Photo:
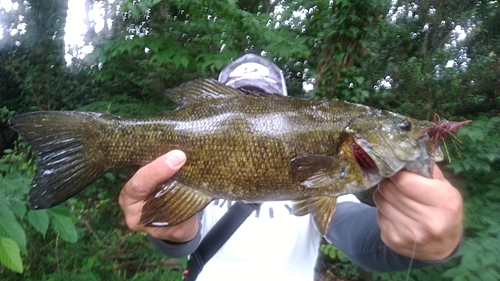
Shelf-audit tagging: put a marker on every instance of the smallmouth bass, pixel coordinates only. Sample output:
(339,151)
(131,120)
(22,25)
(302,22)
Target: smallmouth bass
(244,147)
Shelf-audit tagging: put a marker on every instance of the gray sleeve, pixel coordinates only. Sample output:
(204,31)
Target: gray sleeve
(354,230)
(177,250)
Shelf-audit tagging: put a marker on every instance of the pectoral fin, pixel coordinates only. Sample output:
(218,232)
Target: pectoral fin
(172,203)
(322,210)
(316,171)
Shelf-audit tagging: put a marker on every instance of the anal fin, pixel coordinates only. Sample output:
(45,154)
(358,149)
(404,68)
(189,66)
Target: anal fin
(172,203)
(322,209)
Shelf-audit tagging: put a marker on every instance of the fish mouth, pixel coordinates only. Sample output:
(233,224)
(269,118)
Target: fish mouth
(364,161)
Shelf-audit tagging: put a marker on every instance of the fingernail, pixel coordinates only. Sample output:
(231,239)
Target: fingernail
(175,158)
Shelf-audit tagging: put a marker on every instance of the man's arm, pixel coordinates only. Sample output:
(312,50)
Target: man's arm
(415,217)
(177,250)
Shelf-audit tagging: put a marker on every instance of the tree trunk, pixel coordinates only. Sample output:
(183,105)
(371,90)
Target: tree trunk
(343,43)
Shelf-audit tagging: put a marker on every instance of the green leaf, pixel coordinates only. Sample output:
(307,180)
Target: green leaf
(64,224)
(165,55)
(142,6)
(470,261)
(488,275)
(322,248)
(155,45)
(91,261)
(133,9)
(359,80)
(40,220)
(65,227)
(332,253)
(60,211)
(454,272)
(16,184)
(18,207)
(184,61)
(110,177)
(10,227)
(10,255)
(491,157)
(459,278)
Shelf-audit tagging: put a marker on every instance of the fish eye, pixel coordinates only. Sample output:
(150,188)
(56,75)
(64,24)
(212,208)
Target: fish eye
(405,125)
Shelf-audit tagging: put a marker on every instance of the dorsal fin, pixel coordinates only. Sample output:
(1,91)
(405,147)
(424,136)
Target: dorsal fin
(200,89)
(208,89)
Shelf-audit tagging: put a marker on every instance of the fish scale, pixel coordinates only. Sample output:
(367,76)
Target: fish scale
(245,147)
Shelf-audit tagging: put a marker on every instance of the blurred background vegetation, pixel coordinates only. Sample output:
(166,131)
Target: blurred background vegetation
(413,57)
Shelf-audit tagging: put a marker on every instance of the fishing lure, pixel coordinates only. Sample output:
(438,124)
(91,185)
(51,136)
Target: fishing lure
(443,128)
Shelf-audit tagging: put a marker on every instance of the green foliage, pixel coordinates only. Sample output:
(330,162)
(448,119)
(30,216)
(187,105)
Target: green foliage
(127,106)
(347,31)
(33,72)
(480,169)
(30,240)
(5,114)
(12,209)
(416,66)
(167,43)
(16,172)
(480,152)
(341,261)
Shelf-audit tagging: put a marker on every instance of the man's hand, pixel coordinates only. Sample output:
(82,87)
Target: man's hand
(418,216)
(134,192)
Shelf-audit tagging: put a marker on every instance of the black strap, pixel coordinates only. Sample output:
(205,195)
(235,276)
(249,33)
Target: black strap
(217,236)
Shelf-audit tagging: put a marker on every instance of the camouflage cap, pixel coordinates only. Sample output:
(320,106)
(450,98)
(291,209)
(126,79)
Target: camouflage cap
(252,72)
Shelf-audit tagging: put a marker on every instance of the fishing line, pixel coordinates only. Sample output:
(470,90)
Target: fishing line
(413,253)
(411,260)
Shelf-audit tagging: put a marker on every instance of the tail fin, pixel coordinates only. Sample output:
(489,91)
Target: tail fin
(66,165)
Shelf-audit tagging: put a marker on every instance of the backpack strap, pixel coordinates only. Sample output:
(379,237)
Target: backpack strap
(217,236)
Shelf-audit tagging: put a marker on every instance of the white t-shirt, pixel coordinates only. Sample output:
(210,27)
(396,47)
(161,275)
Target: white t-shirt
(272,244)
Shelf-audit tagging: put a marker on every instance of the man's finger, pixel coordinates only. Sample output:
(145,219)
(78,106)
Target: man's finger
(389,195)
(437,173)
(421,189)
(153,174)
